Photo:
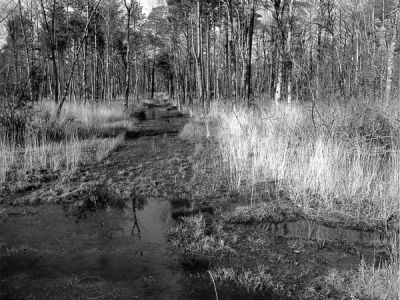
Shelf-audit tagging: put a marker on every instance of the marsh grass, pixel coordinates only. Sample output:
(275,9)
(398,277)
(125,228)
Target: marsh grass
(368,282)
(82,133)
(66,155)
(7,157)
(82,120)
(254,281)
(330,161)
(196,247)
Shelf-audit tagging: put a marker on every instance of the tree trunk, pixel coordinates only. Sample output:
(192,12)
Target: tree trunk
(207,64)
(278,88)
(390,56)
(248,89)
(152,80)
(288,55)
(28,61)
(53,57)
(199,56)
(128,50)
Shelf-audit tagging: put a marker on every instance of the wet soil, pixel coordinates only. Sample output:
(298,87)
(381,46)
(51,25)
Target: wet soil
(100,232)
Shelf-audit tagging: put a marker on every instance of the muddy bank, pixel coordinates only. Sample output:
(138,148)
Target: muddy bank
(266,246)
(286,258)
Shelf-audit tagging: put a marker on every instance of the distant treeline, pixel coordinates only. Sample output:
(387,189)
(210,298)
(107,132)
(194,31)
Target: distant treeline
(100,50)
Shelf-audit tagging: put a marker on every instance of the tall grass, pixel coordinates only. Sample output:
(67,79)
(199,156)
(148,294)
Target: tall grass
(87,120)
(330,159)
(62,143)
(337,158)
(67,154)
(7,157)
(368,282)
(87,113)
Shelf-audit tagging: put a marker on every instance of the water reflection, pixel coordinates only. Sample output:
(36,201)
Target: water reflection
(100,199)
(135,220)
(113,245)
(312,230)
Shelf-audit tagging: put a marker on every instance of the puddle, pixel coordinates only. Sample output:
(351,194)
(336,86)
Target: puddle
(111,253)
(311,230)
(125,247)
(156,121)
(157,113)
(373,247)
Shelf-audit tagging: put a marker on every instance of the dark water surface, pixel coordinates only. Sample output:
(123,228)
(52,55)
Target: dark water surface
(60,253)
(126,248)
(312,230)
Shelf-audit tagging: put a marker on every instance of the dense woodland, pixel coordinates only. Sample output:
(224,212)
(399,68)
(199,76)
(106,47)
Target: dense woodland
(286,50)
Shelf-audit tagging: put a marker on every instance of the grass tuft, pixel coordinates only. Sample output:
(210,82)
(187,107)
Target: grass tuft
(254,282)
(196,247)
(368,282)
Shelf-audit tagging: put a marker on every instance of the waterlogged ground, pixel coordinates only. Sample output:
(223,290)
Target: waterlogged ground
(110,254)
(101,232)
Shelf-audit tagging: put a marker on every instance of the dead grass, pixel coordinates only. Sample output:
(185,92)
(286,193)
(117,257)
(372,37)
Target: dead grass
(83,133)
(368,282)
(7,157)
(329,162)
(254,281)
(88,114)
(336,159)
(66,154)
(196,247)
(81,120)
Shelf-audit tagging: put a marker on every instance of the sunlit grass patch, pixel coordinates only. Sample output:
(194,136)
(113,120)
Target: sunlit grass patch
(87,113)
(329,161)
(368,282)
(194,130)
(7,157)
(82,120)
(82,133)
(66,154)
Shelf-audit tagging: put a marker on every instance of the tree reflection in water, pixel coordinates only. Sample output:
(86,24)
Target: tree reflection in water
(135,220)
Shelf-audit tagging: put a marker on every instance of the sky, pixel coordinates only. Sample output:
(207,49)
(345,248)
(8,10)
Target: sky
(147,5)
